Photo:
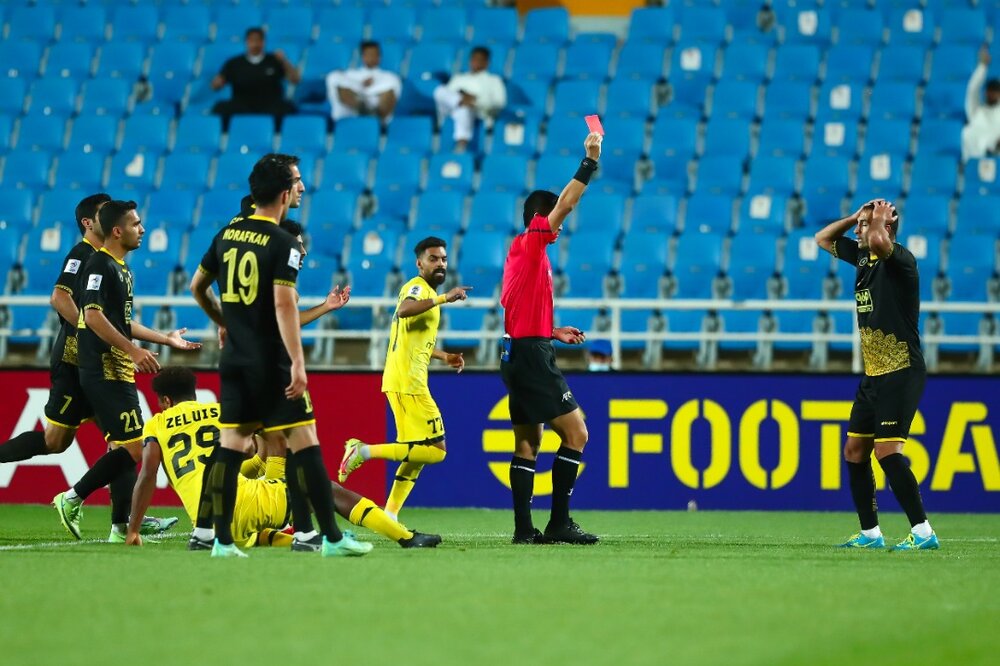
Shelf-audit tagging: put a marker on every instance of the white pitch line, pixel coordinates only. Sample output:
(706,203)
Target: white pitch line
(65,544)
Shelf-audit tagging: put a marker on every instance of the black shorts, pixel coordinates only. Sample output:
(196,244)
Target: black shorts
(254,394)
(68,405)
(884,405)
(538,390)
(116,407)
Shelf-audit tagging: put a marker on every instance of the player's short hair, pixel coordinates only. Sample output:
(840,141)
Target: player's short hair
(292,227)
(481,50)
(111,214)
(177,383)
(88,207)
(290,160)
(539,202)
(893,223)
(368,44)
(247,206)
(255,30)
(270,177)
(428,243)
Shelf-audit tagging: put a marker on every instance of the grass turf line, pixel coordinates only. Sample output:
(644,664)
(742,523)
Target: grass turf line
(662,587)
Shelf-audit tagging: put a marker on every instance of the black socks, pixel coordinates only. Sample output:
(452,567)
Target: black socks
(224,482)
(904,487)
(23,447)
(121,488)
(522,487)
(297,498)
(564,471)
(205,510)
(108,467)
(862,480)
(312,474)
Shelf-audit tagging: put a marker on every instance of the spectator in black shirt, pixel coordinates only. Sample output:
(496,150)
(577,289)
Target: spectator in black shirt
(257,80)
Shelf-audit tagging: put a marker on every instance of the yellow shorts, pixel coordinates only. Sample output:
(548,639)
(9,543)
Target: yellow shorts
(418,419)
(260,503)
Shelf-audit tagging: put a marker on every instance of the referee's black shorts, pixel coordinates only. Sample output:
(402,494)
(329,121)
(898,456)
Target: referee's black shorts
(884,405)
(538,391)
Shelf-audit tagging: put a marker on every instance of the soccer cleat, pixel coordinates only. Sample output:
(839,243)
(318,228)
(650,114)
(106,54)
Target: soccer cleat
(152,525)
(69,513)
(194,543)
(534,537)
(352,459)
(116,536)
(220,550)
(570,533)
(859,540)
(421,540)
(913,542)
(309,545)
(348,546)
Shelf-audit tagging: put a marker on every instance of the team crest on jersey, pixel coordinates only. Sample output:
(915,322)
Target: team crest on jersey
(294,259)
(415,290)
(94,282)
(72,266)
(863,261)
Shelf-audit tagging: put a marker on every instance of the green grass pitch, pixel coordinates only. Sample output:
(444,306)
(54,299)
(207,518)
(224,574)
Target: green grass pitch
(661,588)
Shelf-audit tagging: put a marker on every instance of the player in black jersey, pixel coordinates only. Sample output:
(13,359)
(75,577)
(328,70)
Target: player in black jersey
(262,369)
(108,359)
(887,297)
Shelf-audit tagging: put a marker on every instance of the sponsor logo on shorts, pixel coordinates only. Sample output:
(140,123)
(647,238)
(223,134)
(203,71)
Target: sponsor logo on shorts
(888,423)
(567,396)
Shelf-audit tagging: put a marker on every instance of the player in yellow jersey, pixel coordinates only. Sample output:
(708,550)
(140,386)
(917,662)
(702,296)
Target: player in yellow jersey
(183,435)
(419,428)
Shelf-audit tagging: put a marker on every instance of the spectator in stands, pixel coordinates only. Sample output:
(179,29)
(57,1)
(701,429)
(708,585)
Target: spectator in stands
(599,356)
(257,80)
(365,90)
(981,134)
(477,93)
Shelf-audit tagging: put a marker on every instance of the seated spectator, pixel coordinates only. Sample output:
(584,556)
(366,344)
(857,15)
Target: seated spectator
(257,80)
(364,90)
(477,93)
(981,134)
(599,356)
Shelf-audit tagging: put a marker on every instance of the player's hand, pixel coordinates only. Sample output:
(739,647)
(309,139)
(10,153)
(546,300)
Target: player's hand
(222,336)
(457,294)
(337,298)
(297,388)
(175,340)
(468,100)
(883,212)
(592,144)
(133,539)
(456,361)
(569,334)
(984,55)
(144,359)
(857,213)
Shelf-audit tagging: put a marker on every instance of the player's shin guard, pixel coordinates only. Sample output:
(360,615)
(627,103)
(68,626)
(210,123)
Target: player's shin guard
(309,461)
(402,484)
(862,480)
(297,498)
(105,470)
(366,514)
(522,487)
(225,483)
(904,487)
(121,495)
(564,471)
(25,446)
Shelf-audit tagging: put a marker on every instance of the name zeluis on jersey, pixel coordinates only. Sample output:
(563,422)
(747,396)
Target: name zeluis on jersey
(246,236)
(189,418)
(863,298)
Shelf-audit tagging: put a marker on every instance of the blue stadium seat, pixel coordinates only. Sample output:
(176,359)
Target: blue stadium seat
(720,174)
(466,320)
(851,63)
(940,137)
(925,213)
(198,134)
(170,68)
(977,214)
(708,213)
(324,57)
(27,170)
(960,323)
(725,137)
(563,136)
(911,25)
(185,171)
(37,132)
(841,101)
(926,249)
(70,60)
(480,260)
(640,61)
(944,100)
(880,175)
(20,61)
(290,24)
(588,262)
(805,25)
(934,174)
(316,278)
(515,136)
(393,23)
(791,100)
(438,213)
(746,60)
(399,169)
(835,137)
(304,135)
(698,260)
(551,171)
(893,100)
(345,171)
(394,199)
(217,207)
(16,208)
(703,24)
(332,215)
(6,124)
(121,60)
(888,135)
(58,208)
(804,266)
(451,173)
(550,25)
(187,24)
(504,173)
(576,98)
(359,135)
(797,62)
(443,24)
(643,263)
(772,175)
(250,134)
(53,97)
(135,24)
(971,262)
(495,211)
(654,213)
(535,62)
(962,25)
(410,135)
(739,321)
(342,24)
(684,321)
(981,176)
(80,171)
(692,67)
(431,58)
(93,134)
(232,171)
(651,24)
(106,97)
(794,321)
(903,64)
(780,139)
(604,211)
(762,213)
(587,61)
(494,26)
(953,62)
(133,172)
(630,135)
(159,257)
(31,24)
(860,26)
(734,99)
(674,137)
(82,24)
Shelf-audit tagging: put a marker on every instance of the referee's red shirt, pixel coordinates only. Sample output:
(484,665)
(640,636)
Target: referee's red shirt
(527,283)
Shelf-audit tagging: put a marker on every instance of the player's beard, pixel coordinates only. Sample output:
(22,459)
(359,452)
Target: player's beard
(437,278)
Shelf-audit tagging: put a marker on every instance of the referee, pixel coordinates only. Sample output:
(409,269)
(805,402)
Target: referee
(538,392)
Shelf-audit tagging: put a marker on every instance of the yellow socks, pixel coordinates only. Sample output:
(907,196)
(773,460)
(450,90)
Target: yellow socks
(423,454)
(367,514)
(402,484)
(253,468)
(274,468)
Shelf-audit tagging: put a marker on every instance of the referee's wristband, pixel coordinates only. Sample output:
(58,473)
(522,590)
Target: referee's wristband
(441,300)
(587,169)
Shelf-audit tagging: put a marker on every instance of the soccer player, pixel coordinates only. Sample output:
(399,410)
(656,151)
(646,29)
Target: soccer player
(887,295)
(108,360)
(419,428)
(538,392)
(182,437)
(262,371)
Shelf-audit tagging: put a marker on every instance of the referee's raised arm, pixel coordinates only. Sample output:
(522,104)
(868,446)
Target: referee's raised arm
(571,194)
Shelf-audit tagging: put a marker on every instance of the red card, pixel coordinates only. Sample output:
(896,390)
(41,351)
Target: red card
(594,124)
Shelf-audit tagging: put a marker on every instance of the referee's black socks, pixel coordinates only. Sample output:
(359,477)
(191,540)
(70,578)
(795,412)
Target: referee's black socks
(107,468)
(224,482)
(904,487)
(309,463)
(25,446)
(522,487)
(862,480)
(564,471)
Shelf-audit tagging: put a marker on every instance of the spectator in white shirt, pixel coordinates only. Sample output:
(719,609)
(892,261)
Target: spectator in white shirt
(477,93)
(364,90)
(981,134)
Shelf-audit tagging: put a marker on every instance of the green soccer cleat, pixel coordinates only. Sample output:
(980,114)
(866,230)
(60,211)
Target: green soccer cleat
(348,546)
(69,513)
(220,550)
(352,459)
(152,525)
(859,540)
(913,542)
(116,536)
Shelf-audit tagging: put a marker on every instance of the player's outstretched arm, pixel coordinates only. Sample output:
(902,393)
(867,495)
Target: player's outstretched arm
(571,194)
(336,299)
(411,307)
(173,339)
(456,361)
(144,359)
(142,493)
(287,313)
(569,334)
(201,289)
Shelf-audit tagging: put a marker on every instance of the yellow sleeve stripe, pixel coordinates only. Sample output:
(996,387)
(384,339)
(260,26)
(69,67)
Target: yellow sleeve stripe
(202,269)
(93,306)
(860,434)
(285,283)
(65,288)
(889,439)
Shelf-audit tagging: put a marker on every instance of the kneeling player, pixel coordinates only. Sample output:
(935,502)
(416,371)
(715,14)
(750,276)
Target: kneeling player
(183,436)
